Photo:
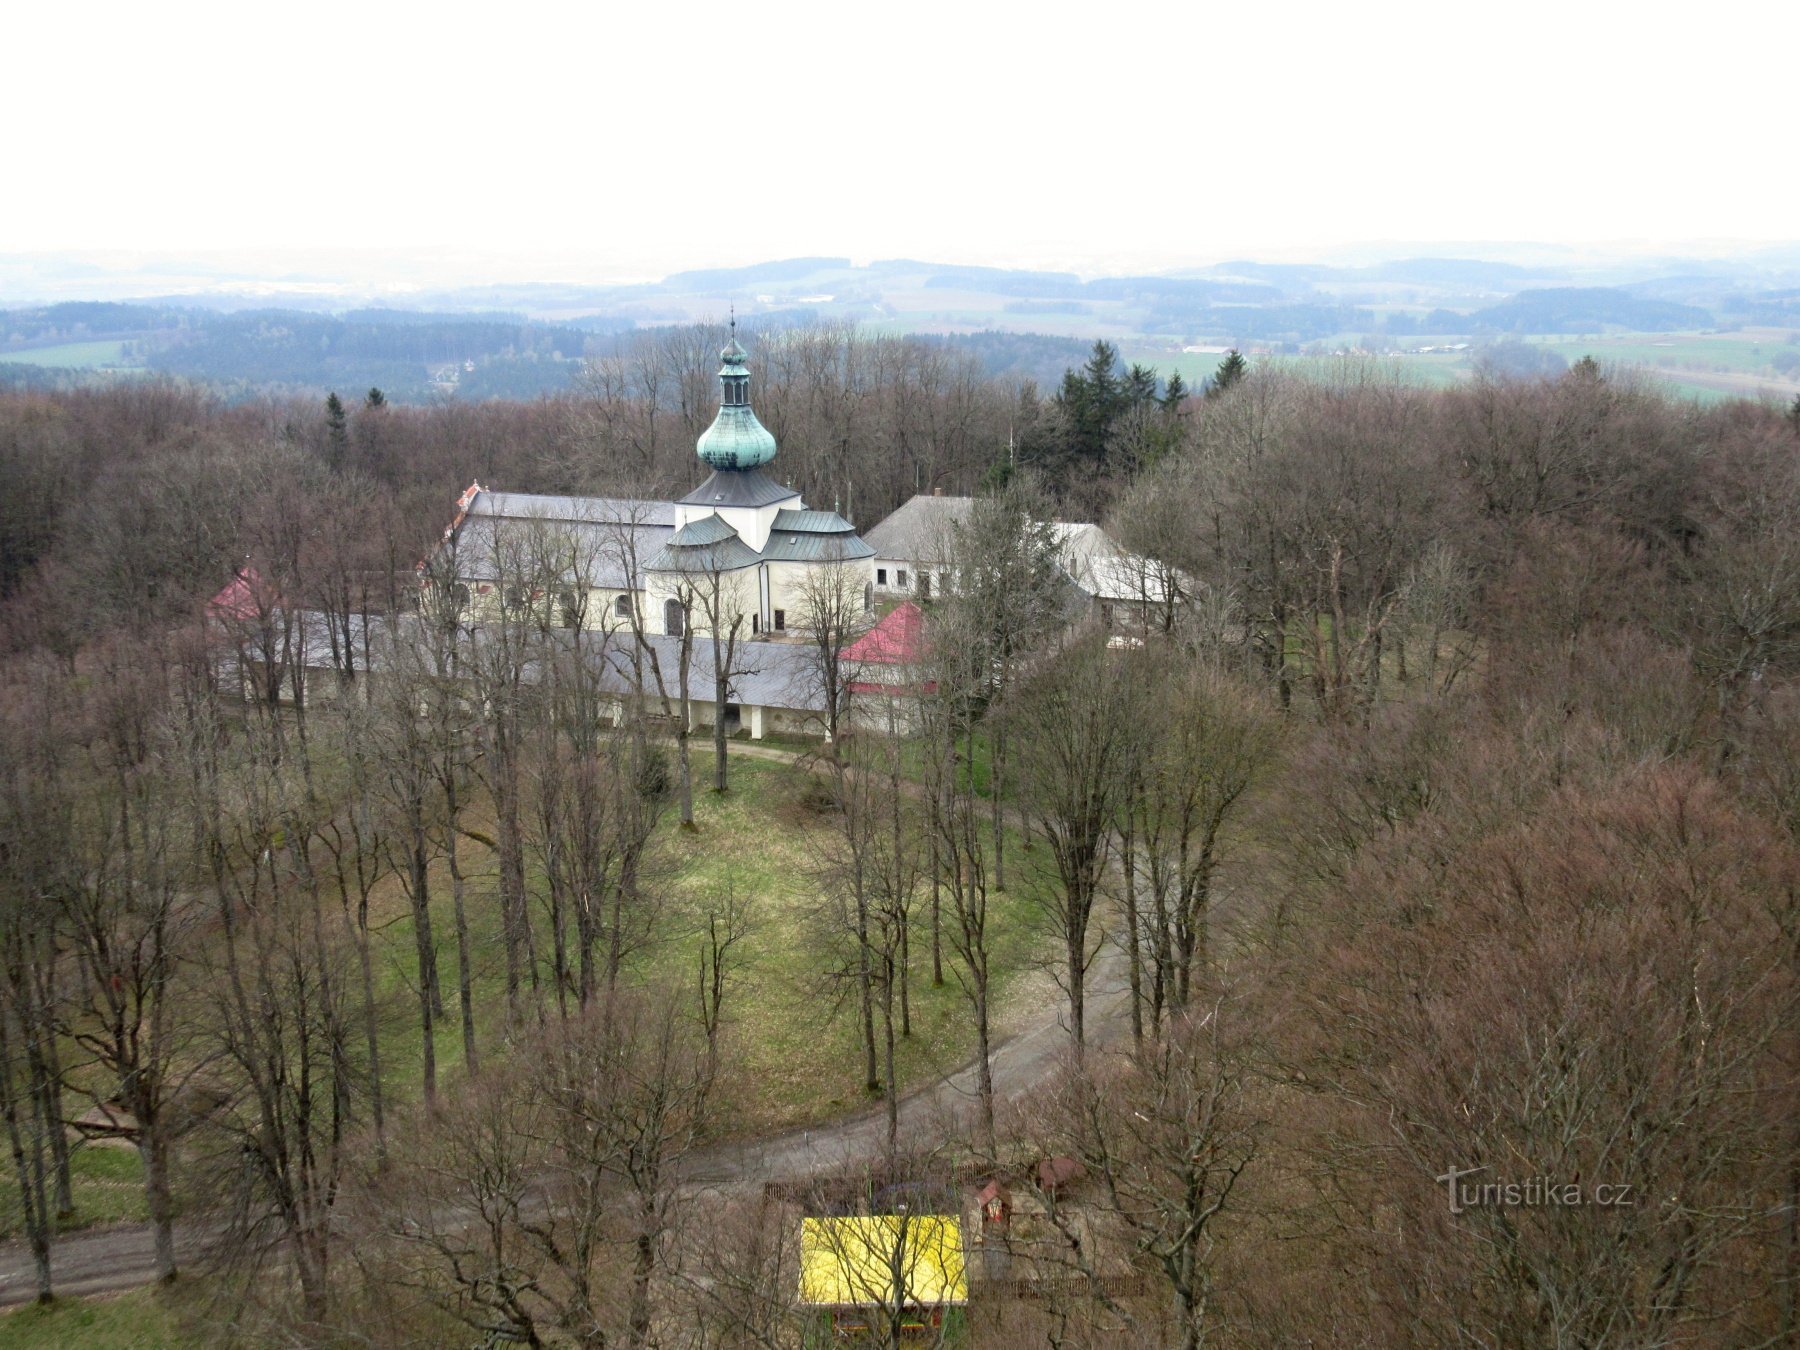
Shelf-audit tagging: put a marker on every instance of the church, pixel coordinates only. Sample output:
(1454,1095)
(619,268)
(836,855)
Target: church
(741,550)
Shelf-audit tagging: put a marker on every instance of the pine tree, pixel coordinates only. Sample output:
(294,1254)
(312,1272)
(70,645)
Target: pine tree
(337,430)
(1176,393)
(1232,369)
(375,399)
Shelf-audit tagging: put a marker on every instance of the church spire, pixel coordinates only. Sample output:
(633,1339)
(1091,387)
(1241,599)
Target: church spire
(735,440)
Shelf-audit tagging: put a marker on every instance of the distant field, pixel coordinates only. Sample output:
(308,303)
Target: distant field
(1675,350)
(71,355)
(1196,368)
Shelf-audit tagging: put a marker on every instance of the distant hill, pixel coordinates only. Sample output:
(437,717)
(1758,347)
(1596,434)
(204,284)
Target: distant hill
(1586,309)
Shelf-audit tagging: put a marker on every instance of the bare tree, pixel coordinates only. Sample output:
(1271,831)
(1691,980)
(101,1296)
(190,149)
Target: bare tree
(1072,724)
(833,609)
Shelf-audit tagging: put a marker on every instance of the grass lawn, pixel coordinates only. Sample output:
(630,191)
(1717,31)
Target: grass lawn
(139,1320)
(792,1044)
(108,1184)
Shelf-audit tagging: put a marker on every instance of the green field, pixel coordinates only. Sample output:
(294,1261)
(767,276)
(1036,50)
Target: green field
(72,356)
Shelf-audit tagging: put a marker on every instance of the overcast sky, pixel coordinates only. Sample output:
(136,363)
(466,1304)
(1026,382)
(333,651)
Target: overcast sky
(614,140)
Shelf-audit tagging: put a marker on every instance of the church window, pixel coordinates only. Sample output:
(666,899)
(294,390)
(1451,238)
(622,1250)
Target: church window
(460,594)
(868,597)
(781,621)
(622,606)
(674,620)
(572,606)
(881,576)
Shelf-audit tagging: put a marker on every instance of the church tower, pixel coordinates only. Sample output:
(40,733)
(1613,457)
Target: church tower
(736,447)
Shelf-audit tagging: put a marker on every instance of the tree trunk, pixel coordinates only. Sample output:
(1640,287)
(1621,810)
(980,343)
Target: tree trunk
(464,979)
(1129,858)
(154,1150)
(429,1002)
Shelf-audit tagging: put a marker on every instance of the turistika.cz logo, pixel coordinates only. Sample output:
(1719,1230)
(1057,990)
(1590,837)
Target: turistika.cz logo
(1532,1193)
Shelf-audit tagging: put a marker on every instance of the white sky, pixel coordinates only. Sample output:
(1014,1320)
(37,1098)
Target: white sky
(612,140)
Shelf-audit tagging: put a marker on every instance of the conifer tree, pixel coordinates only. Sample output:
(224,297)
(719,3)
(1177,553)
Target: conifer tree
(1232,369)
(337,430)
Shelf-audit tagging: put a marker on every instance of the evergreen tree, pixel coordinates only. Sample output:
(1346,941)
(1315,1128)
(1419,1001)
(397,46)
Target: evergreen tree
(337,430)
(1232,369)
(1140,386)
(1176,393)
(375,399)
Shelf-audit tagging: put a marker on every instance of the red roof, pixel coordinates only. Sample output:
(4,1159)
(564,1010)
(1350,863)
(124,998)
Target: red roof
(896,641)
(246,598)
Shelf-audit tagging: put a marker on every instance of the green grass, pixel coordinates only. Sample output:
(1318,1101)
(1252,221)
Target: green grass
(71,355)
(140,1320)
(108,1186)
(791,1047)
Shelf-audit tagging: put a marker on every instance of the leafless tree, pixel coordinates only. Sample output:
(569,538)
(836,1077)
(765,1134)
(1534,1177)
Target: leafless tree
(1072,723)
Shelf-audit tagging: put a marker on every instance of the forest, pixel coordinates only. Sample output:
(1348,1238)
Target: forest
(1392,916)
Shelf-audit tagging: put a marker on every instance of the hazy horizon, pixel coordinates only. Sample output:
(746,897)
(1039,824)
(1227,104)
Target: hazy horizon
(622,146)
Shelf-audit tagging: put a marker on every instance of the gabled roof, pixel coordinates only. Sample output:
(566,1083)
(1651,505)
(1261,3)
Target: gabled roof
(598,540)
(706,530)
(739,487)
(921,528)
(247,597)
(1104,570)
(897,640)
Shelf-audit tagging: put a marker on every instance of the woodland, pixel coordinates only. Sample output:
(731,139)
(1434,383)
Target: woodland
(1435,812)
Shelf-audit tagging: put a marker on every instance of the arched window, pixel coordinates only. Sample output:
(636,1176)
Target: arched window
(622,607)
(573,607)
(459,594)
(674,619)
(868,597)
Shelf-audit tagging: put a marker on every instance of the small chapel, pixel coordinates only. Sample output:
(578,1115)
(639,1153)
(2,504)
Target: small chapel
(742,546)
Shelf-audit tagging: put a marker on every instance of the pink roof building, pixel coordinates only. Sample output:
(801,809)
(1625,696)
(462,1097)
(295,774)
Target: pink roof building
(897,642)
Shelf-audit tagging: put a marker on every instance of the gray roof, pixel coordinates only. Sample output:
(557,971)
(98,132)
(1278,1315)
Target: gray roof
(770,674)
(706,530)
(605,510)
(739,487)
(805,547)
(596,540)
(812,522)
(921,528)
(728,554)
